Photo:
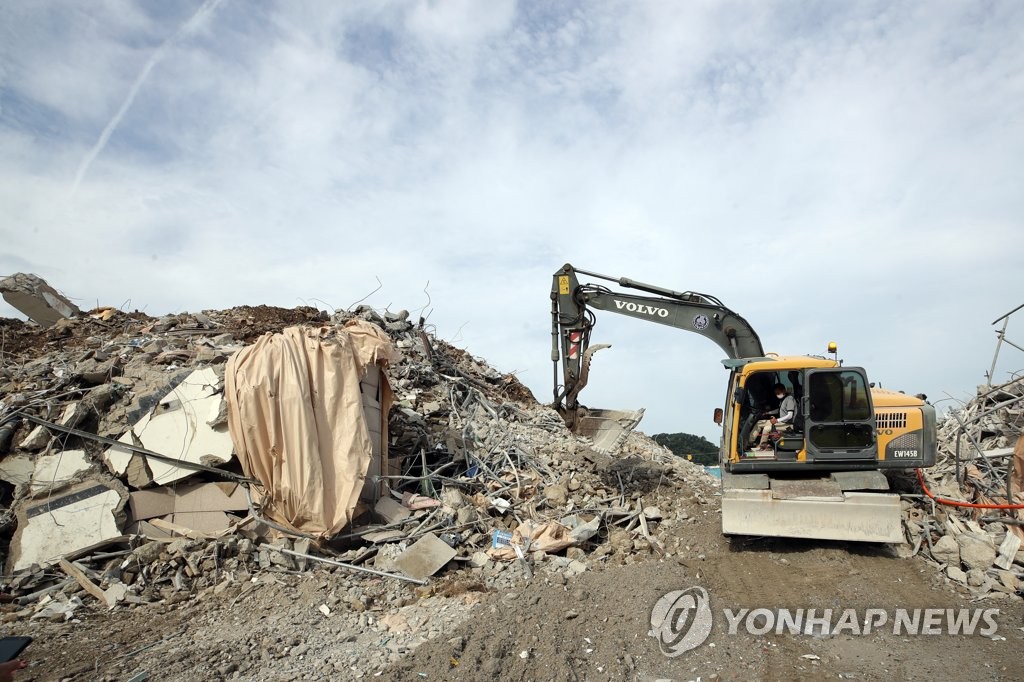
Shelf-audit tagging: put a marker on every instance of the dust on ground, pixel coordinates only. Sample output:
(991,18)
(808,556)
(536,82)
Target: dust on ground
(589,627)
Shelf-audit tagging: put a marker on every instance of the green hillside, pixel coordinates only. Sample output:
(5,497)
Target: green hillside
(687,445)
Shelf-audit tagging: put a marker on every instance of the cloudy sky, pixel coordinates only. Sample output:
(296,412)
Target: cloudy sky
(831,171)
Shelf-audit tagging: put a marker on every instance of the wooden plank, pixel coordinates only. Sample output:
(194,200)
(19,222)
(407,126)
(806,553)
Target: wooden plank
(83,580)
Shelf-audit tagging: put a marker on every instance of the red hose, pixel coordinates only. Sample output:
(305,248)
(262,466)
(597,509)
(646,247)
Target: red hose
(958,503)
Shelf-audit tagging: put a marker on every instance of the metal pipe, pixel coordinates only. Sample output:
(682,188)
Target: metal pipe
(360,569)
(974,442)
(1009,313)
(981,455)
(1002,334)
(7,430)
(995,356)
(556,354)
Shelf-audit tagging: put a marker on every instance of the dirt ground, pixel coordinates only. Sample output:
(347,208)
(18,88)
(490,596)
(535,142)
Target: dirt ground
(595,628)
(590,627)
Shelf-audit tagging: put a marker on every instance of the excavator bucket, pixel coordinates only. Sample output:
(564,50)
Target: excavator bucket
(819,509)
(606,429)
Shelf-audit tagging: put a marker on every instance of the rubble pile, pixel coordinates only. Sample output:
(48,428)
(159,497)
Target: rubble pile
(975,528)
(488,468)
(109,502)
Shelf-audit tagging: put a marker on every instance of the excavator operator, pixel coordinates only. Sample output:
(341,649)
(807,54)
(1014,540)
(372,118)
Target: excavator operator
(780,420)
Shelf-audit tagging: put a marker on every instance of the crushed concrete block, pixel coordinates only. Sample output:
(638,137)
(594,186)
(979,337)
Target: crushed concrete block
(40,302)
(115,594)
(390,510)
(556,495)
(575,568)
(976,577)
(177,427)
(976,550)
(95,372)
(37,439)
(82,516)
(425,557)
(148,553)
(956,574)
(1009,580)
(947,551)
(99,398)
(73,415)
(385,558)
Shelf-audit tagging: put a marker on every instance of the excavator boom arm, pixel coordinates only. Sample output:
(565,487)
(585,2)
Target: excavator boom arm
(572,321)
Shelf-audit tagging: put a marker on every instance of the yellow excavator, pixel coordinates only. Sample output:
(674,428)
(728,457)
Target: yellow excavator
(823,477)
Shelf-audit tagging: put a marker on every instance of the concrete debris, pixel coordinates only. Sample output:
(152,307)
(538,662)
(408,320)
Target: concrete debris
(82,516)
(471,454)
(178,426)
(203,507)
(390,511)
(980,462)
(976,550)
(17,469)
(37,439)
(425,557)
(946,550)
(59,470)
(40,302)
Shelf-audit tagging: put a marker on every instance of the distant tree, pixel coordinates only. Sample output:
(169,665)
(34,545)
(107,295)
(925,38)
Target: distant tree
(689,446)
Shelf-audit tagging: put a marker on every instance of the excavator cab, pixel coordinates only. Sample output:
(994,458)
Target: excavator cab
(833,424)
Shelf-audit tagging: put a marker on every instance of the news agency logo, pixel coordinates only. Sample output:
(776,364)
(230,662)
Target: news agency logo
(682,620)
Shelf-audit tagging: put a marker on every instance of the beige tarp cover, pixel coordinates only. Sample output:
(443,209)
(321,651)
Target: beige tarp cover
(296,419)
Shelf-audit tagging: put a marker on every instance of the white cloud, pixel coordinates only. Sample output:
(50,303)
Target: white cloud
(829,171)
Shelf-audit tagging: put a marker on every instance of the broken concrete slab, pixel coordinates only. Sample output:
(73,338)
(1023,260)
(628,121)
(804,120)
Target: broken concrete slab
(946,550)
(37,439)
(201,507)
(36,299)
(17,469)
(82,516)
(425,557)
(59,470)
(73,414)
(976,550)
(177,427)
(390,510)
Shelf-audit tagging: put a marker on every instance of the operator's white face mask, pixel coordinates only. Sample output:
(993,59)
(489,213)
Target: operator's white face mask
(780,395)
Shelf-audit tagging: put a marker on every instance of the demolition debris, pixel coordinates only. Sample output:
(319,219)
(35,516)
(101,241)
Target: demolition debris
(356,464)
(970,521)
(151,462)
